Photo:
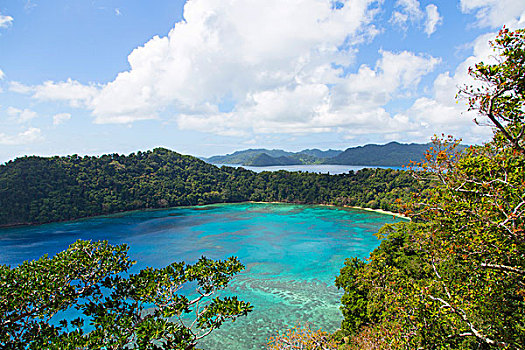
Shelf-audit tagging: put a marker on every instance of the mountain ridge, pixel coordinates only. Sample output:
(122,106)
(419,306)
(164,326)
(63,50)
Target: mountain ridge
(389,154)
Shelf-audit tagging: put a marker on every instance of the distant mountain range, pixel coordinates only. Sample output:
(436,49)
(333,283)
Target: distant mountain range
(267,157)
(392,154)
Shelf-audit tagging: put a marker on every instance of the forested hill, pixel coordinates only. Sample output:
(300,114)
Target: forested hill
(265,160)
(245,156)
(391,154)
(269,157)
(296,159)
(38,190)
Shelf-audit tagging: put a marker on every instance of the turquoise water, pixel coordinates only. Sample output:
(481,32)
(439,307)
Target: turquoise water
(292,254)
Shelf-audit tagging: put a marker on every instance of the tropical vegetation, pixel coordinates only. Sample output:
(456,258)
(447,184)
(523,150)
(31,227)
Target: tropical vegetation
(111,308)
(39,190)
(454,277)
(451,278)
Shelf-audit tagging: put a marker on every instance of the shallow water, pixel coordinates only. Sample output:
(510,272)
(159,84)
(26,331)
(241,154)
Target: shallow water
(292,254)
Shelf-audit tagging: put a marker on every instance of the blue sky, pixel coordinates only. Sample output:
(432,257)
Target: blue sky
(213,76)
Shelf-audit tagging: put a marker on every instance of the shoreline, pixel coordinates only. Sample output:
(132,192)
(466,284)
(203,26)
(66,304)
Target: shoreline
(6,226)
(399,215)
(381,211)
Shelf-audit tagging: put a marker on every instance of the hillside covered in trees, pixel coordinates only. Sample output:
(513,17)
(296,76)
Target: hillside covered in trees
(393,154)
(454,277)
(250,156)
(38,190)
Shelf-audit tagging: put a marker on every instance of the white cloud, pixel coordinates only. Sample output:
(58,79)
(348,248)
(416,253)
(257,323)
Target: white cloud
(407,11)
(410,7)
(21,115)
(399,19)
(2,74)
(71,91)
(433,19)
(280,68)
(5,21)
(226,49)
(355,103)
(442,112)
(77,94)
(20,88)
(230,48)
(495,13)
(31,135)
(61,118)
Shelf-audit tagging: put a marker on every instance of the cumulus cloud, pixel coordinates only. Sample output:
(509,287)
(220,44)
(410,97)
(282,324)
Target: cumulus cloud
(355,103)
(280,68)
(31,135)
(20,88)
(442,112)
(229,48)
(77,94)
(495,13)
(226,49)
(21,115)
(433,19)
(70,91)
(5,21)
(61,118)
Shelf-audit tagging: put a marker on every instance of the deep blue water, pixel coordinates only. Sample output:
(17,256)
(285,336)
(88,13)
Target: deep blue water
(292,254)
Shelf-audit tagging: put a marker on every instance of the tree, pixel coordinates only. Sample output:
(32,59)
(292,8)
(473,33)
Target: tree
(145,310)
(302,338)
(501,95)
(454,277)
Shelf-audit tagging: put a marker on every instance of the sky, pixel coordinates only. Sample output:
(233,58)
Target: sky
(208,77)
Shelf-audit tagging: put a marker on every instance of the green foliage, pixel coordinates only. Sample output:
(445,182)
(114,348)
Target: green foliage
(501,96)
(391,154)
(376,293)
(454,277)
(39,190)
(143,310)
(264,159)
(245,156)
(267,157)
(302,337)
(354,301)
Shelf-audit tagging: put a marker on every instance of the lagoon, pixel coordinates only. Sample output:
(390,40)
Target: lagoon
(292,254)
